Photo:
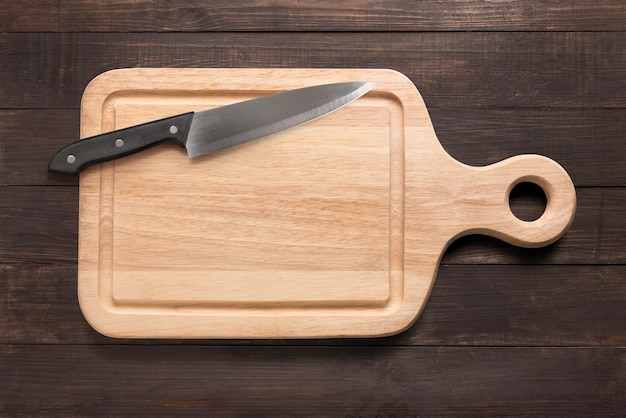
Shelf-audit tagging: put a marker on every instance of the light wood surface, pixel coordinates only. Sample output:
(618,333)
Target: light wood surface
(331,229)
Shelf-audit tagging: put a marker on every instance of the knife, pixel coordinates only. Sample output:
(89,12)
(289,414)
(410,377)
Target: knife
(214,129)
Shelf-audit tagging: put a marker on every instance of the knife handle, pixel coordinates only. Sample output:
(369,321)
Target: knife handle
(72,158)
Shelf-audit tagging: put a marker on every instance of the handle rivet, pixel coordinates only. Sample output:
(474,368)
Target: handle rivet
(119,143)
(71,159)
(173,129)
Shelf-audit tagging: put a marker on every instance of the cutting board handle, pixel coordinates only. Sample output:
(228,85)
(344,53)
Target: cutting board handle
(492,186)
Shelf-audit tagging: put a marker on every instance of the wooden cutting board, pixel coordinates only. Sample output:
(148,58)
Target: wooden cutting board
(331,229)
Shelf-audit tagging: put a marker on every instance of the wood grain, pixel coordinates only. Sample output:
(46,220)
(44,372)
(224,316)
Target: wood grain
(39,225)
(479,305)
(302,236)
(587,142)
(595,237)
(500,78)
(310,381)
(512,70)
(280,15)
(593,156)
(26,153)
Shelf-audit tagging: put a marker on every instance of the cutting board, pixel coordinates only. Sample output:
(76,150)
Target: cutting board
(331,229)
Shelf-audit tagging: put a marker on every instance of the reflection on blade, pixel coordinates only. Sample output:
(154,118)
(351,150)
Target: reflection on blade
(235,124)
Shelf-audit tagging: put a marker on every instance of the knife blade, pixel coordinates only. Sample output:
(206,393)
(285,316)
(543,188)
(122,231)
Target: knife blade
(214,129)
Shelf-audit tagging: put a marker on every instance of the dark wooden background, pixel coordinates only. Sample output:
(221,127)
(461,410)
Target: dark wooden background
(506,330)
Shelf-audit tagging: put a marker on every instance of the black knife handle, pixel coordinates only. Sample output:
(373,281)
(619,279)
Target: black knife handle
(96,149)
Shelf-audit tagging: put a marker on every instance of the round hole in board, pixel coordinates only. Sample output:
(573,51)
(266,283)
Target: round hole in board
(528,201)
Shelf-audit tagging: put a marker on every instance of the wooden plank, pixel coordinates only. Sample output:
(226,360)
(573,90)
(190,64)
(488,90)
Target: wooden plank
(310,381)
(40,306)
(587,142)
(489,305)
(29,138)
(451,70)
(595,237)
(507,305)
(566,85)
(277,15)
(39,225)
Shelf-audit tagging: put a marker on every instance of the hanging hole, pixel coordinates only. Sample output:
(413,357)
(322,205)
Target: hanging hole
(528,201)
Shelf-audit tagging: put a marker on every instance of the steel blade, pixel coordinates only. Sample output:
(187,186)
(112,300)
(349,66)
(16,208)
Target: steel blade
(227,126)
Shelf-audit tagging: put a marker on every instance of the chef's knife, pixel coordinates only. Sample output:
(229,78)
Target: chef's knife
(214,129)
